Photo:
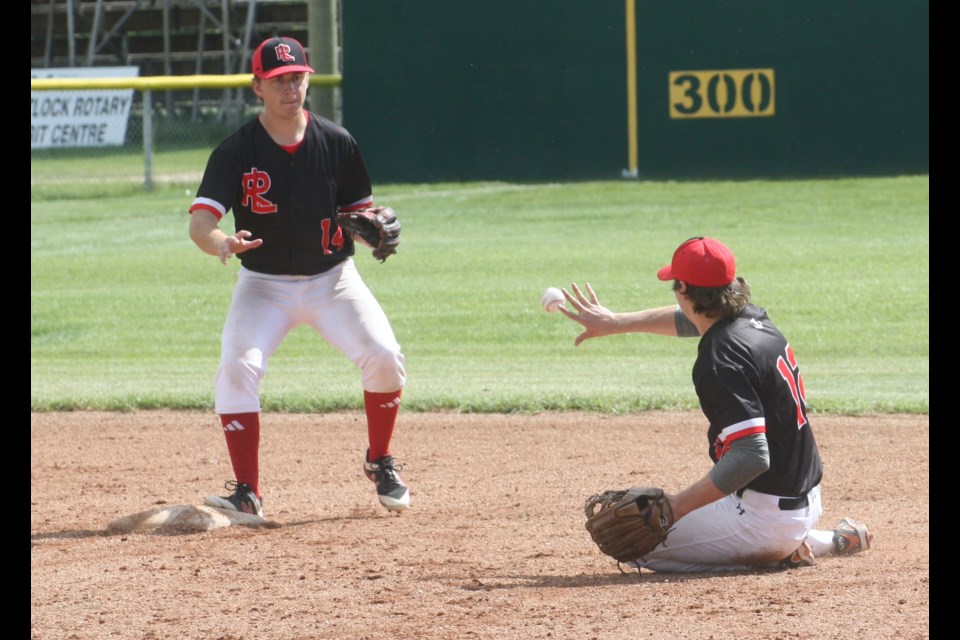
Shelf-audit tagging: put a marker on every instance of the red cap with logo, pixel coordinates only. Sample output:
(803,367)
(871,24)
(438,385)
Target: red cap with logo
(702,262)
(279,55)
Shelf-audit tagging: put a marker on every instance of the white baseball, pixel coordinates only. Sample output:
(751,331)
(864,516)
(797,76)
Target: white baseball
(551,299)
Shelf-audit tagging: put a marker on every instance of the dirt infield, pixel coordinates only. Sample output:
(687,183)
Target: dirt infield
(492,548)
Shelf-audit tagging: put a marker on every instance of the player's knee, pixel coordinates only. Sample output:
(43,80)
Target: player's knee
(383,369)
(242,370)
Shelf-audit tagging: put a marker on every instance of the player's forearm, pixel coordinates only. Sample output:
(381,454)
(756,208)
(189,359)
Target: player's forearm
(205,233)
(210,243)
(659,321)
(698,494)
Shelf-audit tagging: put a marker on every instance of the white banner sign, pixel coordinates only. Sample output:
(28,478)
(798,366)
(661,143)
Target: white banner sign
(88,118)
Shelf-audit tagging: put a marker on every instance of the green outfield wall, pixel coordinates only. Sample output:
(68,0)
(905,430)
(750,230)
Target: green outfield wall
(438,90)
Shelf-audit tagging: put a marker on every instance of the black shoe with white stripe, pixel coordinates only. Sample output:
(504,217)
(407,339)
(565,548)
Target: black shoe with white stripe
(391,490)
(243,499)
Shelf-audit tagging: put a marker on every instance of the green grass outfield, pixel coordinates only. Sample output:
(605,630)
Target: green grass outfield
(126,312)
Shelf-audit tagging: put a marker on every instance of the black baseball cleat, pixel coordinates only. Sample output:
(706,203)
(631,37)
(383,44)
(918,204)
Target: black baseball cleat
(851,537)
(393,493)
(243,499)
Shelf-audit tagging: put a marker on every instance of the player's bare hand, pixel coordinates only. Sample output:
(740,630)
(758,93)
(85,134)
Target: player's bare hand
(237,243)
(596,319)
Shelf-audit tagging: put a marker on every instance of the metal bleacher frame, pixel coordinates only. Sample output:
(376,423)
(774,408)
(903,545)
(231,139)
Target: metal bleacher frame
(230,56)
(234,50)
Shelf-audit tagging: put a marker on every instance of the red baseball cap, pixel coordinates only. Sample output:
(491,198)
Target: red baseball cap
(702,262)
(279,55)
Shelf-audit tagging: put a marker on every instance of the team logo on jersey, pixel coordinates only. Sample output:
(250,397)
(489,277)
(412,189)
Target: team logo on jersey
(283,53)
(255,184)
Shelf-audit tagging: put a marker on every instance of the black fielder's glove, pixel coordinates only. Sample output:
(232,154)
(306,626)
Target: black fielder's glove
(376,227)
(628,524)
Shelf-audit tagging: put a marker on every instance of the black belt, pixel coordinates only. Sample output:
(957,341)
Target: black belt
(785,504)
(789,504)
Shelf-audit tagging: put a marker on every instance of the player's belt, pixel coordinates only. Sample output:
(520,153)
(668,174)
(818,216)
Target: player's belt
(789,504)
(785,504)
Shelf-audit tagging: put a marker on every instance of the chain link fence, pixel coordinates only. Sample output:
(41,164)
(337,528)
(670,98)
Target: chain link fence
(168,138)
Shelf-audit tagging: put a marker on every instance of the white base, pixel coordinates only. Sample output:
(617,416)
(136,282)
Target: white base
(188,518)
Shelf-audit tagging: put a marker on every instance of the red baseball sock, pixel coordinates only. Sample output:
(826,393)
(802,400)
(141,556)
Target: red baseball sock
(382,409)
(242,431)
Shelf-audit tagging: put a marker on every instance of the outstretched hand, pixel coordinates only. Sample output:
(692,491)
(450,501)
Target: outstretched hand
(596,319)
(237,243)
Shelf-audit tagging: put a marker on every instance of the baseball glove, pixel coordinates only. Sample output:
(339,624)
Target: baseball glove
(627,525)
(376,227)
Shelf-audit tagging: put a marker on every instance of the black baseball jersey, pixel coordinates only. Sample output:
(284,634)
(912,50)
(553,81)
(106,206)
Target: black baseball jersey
(288,199)
(748,382)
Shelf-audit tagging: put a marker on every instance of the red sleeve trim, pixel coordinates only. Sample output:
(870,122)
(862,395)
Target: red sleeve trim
(205,207)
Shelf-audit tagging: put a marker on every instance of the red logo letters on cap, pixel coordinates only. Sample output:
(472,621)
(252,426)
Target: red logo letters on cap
(283,52)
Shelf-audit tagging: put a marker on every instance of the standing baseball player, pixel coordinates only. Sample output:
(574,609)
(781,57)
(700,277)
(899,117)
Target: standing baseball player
(285,174)
(759,502)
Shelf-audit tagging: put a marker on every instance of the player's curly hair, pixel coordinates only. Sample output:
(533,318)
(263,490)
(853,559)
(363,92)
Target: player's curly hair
(727,301)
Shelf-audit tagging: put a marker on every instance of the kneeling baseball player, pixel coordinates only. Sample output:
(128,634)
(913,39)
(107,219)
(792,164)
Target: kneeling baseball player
(758,505)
